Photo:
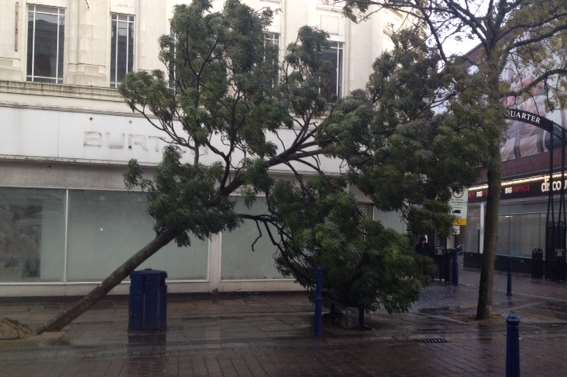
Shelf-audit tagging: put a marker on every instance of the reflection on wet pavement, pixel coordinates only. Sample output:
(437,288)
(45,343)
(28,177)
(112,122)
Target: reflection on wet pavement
(270,335)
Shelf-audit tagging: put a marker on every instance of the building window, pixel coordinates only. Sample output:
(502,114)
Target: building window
(46,34)
(239,261)
(122,42)
(32,234)
(332,82)
(272,39)
(104,227)
(272,51)
(172,70)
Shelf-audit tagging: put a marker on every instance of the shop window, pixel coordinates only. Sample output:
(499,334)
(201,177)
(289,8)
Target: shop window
(331,85)
(530,234)
(504,238)
(519,234)
(122,48)
(106,228)
(517,225)
(238,259)
(472,231)
(46,36)
(32,235)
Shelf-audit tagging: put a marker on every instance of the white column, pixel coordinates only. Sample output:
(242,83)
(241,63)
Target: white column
(214,261)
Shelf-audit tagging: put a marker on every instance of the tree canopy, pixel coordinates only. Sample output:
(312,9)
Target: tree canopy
(521,52)
(232,124)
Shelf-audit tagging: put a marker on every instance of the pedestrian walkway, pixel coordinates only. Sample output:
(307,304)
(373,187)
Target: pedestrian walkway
(522,284)
(270,335)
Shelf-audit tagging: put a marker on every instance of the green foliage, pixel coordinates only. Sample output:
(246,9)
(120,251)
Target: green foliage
(365,265)
(221,101)
(185,198)
(520,54)
(306,73)
(401,152)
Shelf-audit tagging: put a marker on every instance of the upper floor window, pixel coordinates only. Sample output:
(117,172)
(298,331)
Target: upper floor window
(46,33)
(171,56)
(272,51)
(122,48)
(272,39)
(332,87)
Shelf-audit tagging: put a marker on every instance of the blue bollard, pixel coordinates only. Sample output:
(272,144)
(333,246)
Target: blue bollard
(513,346)
(509,280)
(455,267)
(318,325)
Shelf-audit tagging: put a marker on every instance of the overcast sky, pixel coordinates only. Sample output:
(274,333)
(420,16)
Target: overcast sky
(453,47)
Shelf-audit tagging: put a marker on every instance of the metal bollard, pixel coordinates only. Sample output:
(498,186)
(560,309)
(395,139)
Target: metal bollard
(318,325)
(509,279)
(512,346)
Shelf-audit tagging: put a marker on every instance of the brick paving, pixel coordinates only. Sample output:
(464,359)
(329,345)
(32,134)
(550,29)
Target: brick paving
(270,335)
(461,356)
(521,284)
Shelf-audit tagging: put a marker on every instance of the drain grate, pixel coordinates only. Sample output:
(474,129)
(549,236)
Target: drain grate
(434,340)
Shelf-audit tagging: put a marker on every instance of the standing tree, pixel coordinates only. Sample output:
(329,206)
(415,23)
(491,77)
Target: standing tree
(229,120)
(524,40)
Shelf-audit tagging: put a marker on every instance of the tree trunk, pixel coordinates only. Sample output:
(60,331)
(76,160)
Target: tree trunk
(490,234)
(63,319)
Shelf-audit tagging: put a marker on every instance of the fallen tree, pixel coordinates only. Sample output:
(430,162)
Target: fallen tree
(229,121)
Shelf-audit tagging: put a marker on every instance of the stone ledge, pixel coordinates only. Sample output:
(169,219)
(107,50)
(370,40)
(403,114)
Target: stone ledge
(69,91)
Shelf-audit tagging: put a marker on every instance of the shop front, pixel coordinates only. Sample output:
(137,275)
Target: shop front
(67,220)
(521,221)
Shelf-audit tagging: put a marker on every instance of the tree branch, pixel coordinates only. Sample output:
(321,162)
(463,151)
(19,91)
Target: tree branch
(535,82)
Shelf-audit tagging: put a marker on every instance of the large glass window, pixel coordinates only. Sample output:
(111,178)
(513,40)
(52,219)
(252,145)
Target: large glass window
(32,234)
(238,259)
(519,234)
(332,83)
(46,35)
(504,238)
(106,228)
(521,228)
(122,48)
(472,230)
(531,234)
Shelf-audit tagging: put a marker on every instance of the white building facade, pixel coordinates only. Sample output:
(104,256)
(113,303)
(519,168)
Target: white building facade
(66,219)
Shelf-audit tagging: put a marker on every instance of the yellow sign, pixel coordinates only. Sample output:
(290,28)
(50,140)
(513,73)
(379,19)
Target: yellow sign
(460,222)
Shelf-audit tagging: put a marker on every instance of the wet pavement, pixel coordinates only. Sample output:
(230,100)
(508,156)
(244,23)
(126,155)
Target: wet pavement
(270,335)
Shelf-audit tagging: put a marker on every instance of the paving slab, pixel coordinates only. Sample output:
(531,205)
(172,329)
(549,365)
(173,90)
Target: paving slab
(271,335)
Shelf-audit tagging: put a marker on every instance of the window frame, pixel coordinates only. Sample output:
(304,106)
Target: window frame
(272,38)
(339,48)
(171,68)
(59,55)
(130,20)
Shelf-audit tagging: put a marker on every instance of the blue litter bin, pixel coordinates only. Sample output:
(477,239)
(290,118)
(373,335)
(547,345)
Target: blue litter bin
(148,301)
